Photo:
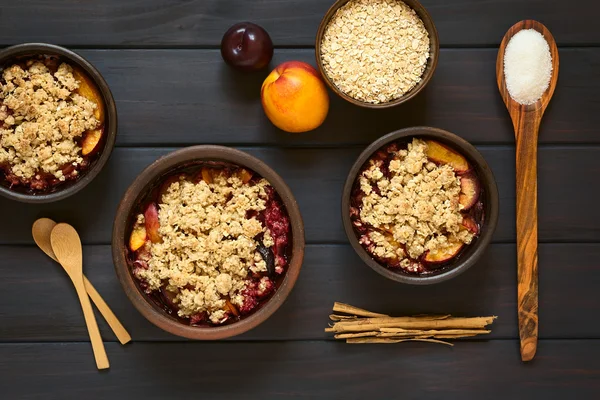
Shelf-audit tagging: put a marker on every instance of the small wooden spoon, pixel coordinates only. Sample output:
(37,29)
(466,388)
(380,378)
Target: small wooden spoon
(41,235)
(67,248)
(526,122)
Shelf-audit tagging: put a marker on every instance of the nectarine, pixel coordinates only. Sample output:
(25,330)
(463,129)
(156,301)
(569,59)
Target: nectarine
(88,89)
(245,175)
(294,97)
(469,223)
(137,238)
(439,153)
(91,141)
(152,223)
(469,190)
(443,254)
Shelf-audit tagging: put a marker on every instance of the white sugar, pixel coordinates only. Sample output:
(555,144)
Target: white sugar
(527,66)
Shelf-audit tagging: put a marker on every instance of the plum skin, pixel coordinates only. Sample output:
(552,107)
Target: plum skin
(247,47)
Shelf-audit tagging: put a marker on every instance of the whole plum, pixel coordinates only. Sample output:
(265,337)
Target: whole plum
(247,47)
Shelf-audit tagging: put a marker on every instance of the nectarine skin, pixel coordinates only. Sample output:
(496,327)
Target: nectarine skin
(294,97)
(152,223)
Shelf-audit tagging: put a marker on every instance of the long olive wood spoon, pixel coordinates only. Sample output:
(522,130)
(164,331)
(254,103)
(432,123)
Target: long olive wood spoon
(67,248)
(41,235)
(526,121)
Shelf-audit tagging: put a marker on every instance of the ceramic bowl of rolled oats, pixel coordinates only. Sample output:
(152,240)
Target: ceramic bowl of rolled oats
(420,205)
(208,242)
(377,53)
(58,123)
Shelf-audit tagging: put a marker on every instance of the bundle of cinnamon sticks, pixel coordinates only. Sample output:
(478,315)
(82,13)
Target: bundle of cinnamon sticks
(356,325)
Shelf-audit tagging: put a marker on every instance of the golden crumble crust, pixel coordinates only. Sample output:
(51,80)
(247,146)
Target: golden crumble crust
(208,249)
(42,118)
(414,208)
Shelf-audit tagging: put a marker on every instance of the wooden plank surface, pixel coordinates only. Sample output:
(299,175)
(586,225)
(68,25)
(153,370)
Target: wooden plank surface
(330,273)
(316,177)
(170,97)
(290,22)
(161,59)
(307,370)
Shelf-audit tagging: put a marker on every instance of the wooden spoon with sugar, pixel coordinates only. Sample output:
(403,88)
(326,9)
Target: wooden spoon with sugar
(526,120)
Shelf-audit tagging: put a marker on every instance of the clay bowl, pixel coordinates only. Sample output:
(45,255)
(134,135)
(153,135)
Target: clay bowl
(9,56)
(427,74)
(148,180)
(471,252)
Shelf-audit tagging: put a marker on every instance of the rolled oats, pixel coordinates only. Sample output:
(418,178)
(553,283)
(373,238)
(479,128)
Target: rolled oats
(375,50)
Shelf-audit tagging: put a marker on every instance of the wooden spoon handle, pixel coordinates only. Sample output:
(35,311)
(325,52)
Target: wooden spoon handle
(527,236)
(109,316)
(114,323)
(92,326)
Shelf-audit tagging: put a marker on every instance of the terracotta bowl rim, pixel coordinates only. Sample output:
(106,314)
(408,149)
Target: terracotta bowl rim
(491,204)
(434,50)
(69,189)
(138,189)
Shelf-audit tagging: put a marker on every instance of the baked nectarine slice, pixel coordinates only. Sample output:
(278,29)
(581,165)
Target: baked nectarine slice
(441,154)
(91,141)
(469,191)
(207,175)
(152,223)
(245,175)
(443,254)
(469,223)
(89,90)
(231,308)
(137,238)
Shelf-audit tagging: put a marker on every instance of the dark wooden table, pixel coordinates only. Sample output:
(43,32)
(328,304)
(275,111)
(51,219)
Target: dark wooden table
(161,59)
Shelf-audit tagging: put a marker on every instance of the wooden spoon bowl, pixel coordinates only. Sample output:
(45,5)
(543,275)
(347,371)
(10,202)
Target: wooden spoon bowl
(526,122)
(518,111)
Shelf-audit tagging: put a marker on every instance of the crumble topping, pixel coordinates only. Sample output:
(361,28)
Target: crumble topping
(209,246)
(42,117)
(413,208)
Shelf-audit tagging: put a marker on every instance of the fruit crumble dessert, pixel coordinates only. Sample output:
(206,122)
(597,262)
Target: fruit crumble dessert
(52,122)
(416,205)
(211,244)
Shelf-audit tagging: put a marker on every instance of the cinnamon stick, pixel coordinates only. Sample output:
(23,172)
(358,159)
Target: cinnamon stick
(354,335)
(370,324)
(355,311)
(451,333)
(444,332)
(362,326)
(336,317)
(389,340)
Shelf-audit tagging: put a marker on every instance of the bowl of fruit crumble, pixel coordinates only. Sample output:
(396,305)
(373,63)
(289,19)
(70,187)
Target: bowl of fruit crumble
(208,242)
(420,205)
(59,122)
